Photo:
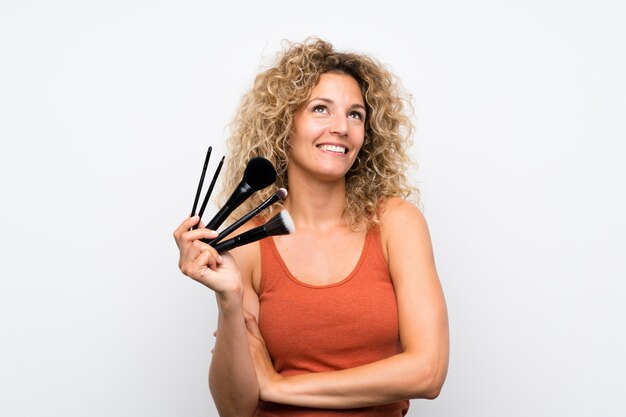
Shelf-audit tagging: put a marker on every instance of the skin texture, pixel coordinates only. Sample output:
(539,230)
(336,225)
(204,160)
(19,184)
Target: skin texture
(323,248)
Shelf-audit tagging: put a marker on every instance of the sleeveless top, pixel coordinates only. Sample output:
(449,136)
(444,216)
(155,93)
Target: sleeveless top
(309,328)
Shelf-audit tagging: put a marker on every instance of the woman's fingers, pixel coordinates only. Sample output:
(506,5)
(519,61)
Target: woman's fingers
(190,245)
(185,226)
(200,261)
(266,375)
(197,269)
(191,248)
(252,325)
(183,232)
(208,258)
(197,234)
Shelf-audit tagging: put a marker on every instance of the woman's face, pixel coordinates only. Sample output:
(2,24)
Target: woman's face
(328,129)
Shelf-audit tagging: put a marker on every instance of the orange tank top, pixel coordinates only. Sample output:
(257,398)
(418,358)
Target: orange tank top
(310,328)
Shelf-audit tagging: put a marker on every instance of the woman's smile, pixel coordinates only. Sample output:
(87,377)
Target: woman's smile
(336,149)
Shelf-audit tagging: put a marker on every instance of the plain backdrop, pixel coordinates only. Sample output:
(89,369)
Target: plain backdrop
(106,110)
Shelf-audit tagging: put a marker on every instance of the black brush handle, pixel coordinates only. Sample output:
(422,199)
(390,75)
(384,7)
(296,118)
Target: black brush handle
(241,193)
(211,186)
(250,236)
(204,167)
(244,219)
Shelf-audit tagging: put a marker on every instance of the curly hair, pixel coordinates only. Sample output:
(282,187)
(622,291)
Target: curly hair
(264,121)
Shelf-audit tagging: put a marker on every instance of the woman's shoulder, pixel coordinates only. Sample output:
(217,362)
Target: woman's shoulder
(396,211)
(400,220)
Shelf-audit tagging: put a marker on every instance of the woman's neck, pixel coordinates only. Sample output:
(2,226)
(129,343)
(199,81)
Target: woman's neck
(316,205)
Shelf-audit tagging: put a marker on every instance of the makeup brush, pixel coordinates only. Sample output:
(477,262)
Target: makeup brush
(280,224)
(259,173)
(208,193)
(206,163)
(279,195)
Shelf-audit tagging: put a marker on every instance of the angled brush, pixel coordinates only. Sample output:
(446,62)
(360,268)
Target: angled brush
(280,224)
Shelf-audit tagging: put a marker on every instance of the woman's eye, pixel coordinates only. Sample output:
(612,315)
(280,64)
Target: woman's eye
(319,109)
(355,115)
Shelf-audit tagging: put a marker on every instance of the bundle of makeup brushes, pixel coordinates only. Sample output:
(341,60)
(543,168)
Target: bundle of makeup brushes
(259,174)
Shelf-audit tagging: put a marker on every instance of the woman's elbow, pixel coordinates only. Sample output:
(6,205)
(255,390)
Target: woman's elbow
(429,382)
(432,392)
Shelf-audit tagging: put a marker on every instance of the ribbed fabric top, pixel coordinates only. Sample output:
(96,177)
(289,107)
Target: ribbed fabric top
(310,328)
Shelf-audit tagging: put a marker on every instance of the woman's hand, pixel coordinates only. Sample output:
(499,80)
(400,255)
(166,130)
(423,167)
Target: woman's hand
(267,377)
(200,261)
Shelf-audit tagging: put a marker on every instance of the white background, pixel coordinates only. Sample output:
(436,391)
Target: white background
(106,109)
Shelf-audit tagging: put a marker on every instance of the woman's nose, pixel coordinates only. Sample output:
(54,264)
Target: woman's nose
(339,125)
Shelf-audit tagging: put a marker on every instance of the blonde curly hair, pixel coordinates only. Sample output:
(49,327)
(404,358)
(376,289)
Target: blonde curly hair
(264,122)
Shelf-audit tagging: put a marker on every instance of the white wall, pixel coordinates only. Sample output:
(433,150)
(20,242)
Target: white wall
(106,109)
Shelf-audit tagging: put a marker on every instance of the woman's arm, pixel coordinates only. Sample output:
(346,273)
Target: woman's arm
(232,377)
(420,370)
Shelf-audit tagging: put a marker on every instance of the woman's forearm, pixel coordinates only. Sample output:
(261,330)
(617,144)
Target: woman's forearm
(232,378)
(399,377)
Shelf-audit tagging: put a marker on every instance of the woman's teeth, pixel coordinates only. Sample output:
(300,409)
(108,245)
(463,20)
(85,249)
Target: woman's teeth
(333,148)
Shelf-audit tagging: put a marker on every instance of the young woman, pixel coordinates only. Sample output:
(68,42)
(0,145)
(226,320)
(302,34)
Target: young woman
(345,316)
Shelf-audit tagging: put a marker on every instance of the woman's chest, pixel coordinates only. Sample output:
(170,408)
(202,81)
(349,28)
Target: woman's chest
(316,261)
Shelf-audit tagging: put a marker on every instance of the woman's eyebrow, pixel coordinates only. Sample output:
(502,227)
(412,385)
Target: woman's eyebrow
(328,100)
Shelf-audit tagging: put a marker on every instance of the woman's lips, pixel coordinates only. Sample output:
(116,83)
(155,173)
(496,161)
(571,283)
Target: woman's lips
(333,148)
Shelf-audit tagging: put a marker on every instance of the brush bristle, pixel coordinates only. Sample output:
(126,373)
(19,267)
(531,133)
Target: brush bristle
(281,194)
(259,173)
(280,224)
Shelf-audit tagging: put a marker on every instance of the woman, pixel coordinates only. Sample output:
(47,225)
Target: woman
(345,316)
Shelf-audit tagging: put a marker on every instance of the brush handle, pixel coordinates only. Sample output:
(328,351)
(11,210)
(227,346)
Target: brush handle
(241,193)
(204,167)
(250,236)
(208,193)
(244,219)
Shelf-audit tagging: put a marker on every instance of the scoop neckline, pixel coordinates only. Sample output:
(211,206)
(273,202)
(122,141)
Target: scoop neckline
(342,281)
